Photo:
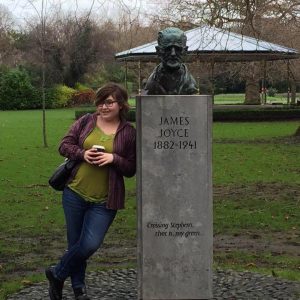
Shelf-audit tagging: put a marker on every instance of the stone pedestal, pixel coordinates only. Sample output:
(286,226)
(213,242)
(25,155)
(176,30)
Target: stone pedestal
(174,195)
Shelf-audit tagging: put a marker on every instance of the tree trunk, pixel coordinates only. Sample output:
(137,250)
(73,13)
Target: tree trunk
(43,39)
(44,105)
(252,86)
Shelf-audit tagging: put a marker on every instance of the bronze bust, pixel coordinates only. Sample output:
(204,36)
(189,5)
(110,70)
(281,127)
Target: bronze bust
(171,76)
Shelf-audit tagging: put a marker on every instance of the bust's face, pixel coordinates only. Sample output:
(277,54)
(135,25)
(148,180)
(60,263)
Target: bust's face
(171,56)
(171,52)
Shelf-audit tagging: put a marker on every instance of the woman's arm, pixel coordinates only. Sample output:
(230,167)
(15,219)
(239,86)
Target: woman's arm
(126,164)
(69,146)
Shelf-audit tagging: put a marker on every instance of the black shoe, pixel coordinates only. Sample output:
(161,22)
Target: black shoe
(55,285)
(80,294)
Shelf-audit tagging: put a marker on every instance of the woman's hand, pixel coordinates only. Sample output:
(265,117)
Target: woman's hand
(90,155)
(104,159)
(93,157)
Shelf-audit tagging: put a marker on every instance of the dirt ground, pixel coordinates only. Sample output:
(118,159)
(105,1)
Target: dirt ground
(278,244)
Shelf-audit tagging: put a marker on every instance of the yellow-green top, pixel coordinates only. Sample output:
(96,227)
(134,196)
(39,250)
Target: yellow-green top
(91,181)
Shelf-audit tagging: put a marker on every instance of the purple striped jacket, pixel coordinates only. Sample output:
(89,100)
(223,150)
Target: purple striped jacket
(124,152)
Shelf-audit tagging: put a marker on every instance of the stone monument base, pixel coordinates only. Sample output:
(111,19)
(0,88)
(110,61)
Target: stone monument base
(174,192)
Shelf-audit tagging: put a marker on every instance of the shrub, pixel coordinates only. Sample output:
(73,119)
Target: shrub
(86,97)
(62,96)
(269,114)
(16,91)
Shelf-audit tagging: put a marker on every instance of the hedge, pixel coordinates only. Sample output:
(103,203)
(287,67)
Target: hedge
(241,115)
(245,115)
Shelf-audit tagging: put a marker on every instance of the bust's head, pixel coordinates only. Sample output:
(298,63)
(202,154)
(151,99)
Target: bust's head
(171,47)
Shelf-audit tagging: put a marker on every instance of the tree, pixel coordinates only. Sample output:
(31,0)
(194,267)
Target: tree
(6,37)
(248,17)
(41,30)
(41,14)
(89,44)
(76,45)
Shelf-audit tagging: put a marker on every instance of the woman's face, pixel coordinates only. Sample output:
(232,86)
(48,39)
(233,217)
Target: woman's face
(109,109)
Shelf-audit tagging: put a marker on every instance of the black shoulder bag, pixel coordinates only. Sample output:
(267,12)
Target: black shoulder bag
(59,178)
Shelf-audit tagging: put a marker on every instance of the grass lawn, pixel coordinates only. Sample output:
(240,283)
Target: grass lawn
(240,98)
(256,200)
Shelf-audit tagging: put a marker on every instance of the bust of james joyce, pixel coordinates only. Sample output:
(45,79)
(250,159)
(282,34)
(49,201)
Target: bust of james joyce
(171,76)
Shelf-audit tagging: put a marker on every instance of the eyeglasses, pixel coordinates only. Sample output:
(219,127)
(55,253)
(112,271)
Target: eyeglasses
(107,102)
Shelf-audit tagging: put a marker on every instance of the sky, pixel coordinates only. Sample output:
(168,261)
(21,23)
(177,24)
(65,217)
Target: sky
(22,9)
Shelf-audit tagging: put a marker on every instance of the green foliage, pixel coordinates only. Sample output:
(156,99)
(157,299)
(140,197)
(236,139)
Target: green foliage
(62,96)
(81,87)
(16,91)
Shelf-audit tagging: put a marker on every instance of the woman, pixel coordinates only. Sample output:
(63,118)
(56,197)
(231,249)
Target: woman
(95,189)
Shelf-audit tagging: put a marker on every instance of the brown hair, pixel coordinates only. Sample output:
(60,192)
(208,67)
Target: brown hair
(119,94)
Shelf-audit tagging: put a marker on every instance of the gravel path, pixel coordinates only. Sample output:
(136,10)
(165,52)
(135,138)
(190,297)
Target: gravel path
(121,285)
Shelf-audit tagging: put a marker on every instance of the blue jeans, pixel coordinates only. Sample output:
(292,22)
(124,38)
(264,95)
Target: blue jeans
(87,224)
